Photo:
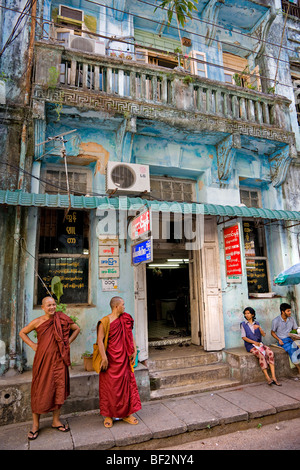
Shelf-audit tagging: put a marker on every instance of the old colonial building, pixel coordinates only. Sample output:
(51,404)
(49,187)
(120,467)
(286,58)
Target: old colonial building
(108,111)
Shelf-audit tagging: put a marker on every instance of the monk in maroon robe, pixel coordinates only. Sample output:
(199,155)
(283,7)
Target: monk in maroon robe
(50,374)
(118,392)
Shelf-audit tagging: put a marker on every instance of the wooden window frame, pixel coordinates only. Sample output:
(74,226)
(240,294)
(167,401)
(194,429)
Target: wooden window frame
(257,258)
(251,190)
(194,65)
(67,256)
(71,169)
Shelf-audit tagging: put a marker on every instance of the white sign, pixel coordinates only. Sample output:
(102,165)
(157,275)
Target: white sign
(109,285)
(108,240)
(109,272)
(108,250)
(108,261)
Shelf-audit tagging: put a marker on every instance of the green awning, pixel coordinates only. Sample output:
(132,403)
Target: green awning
(20,198)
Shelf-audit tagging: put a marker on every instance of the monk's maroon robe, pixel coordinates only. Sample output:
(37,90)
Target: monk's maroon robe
(118,392)
(50,374)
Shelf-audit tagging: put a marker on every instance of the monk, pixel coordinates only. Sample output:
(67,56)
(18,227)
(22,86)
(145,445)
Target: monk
(118,392)
(50,374)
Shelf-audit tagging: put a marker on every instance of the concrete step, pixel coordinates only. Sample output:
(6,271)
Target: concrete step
(188,375)
(190,389)
(182,360)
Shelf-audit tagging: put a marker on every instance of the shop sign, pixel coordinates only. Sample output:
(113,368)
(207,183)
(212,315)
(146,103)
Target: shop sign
(141,225)
(109,285)
(142,252)
(233,260)
(109,272)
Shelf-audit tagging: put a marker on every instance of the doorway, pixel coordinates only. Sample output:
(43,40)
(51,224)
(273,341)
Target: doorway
(201,280)
(168,299)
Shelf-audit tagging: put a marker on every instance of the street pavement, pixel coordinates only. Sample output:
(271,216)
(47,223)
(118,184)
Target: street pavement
(163,423)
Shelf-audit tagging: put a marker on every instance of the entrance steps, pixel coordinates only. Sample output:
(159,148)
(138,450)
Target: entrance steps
(177,371)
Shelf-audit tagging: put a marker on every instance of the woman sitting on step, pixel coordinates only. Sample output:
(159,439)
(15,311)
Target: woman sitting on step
(251,334)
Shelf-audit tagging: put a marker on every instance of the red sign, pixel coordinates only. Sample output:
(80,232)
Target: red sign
(141,225)
(233,253)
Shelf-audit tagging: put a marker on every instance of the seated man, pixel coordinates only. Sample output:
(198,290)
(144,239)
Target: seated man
(281,327)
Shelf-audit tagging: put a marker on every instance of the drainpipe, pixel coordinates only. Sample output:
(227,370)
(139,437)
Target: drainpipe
(13,359)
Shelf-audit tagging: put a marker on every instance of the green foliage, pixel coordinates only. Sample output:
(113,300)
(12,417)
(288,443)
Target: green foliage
(188,79)
(61,308)
(87,354)
(53,77)
(181,8)
(237,79)
(57,288)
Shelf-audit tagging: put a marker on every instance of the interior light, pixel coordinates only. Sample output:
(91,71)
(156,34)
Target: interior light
(163,265)
(178,260)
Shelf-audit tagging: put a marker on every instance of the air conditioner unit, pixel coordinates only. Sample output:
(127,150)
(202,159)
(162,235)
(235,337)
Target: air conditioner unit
(127,178)
(88,45)
(71,13)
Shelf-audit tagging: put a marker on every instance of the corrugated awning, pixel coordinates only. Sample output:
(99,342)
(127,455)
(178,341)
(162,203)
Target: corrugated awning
(20,198)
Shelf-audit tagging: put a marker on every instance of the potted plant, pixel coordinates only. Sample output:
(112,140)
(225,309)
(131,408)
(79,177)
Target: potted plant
(88,361)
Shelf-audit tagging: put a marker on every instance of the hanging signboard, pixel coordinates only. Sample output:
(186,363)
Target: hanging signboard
(141,225)
(233,258)
(142,252)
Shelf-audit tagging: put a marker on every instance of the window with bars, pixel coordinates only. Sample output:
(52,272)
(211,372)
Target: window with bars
(167,189)
(256,257)
(64,252)
(54,181)
(250,197)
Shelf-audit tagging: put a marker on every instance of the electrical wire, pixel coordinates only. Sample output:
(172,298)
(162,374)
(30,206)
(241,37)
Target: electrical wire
(15,33)
(168,52)
(218,25)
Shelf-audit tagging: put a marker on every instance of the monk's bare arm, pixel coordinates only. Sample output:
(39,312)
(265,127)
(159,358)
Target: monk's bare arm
(76,331)
(104,362)
(26,330)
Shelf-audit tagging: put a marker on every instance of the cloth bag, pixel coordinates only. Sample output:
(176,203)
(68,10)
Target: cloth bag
(96,358)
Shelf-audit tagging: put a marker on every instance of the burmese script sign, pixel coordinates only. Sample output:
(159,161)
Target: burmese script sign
(141,225)
(73,273)
(233,253)
(142,252)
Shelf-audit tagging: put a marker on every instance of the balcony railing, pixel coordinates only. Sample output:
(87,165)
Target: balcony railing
(291,8)
(156,85)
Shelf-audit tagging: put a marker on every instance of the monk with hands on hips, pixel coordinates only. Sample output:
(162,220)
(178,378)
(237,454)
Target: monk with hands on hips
(50,374)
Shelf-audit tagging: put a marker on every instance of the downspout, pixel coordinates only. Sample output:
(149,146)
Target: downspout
(13,359)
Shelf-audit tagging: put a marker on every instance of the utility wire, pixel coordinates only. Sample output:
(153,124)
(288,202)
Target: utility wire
(175,27)
(220,26)
(17,29)
(160,50)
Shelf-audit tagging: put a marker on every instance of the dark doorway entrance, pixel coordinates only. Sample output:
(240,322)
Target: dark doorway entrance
(168,300)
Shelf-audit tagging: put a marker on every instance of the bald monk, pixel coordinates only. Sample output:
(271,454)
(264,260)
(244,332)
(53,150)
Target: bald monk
(50,374)
(118,392)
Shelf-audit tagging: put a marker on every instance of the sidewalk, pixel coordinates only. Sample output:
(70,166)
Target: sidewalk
(182,420)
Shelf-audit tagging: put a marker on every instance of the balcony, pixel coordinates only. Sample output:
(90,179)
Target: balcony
(123,86)
(291,8)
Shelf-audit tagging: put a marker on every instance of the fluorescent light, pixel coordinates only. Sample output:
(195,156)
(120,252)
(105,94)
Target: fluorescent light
(178,260)
(163,265)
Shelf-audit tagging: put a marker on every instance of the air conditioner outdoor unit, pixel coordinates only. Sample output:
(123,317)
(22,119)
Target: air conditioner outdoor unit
(88,45)
(127,178)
